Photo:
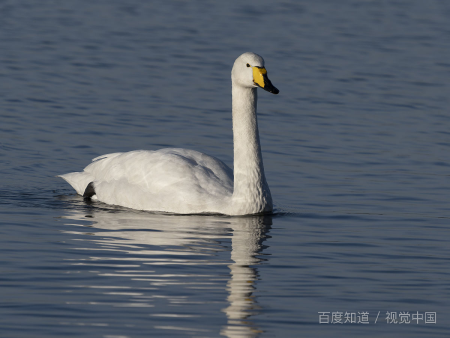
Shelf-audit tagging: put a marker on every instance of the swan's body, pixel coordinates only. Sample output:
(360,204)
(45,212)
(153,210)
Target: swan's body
(186,181)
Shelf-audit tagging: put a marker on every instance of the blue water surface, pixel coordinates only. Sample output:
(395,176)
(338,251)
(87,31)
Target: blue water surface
(356,152)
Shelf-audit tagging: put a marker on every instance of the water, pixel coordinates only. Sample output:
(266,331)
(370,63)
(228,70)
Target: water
(355,149)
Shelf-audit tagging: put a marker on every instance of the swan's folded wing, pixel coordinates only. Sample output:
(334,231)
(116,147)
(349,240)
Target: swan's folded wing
(165,180)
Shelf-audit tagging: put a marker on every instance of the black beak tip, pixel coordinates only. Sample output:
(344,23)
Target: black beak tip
(268,86)
(271,89)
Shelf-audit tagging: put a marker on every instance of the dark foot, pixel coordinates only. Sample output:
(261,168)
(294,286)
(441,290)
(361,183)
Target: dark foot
(89,192)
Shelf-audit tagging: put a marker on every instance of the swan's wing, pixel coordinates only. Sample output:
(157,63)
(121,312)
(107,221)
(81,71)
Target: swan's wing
(156,180)
(161,168)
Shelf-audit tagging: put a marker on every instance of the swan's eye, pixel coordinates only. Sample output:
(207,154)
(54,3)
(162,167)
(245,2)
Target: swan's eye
(248,65)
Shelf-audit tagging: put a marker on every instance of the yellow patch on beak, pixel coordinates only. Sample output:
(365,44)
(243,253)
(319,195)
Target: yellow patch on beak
(258,76)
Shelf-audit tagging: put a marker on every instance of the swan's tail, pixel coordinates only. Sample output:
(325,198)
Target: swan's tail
(79,181)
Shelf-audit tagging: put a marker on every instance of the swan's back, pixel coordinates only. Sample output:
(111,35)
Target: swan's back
(164,180)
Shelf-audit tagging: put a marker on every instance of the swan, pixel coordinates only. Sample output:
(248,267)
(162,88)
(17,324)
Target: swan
(183,181)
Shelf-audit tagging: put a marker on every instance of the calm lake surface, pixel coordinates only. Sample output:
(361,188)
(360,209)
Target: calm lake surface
(356,152)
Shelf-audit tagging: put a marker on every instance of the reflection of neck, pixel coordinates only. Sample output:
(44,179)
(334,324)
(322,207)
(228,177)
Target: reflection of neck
(246,243)
(251,192)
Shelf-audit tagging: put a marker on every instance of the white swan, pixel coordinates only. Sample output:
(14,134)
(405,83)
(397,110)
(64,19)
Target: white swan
(185,181)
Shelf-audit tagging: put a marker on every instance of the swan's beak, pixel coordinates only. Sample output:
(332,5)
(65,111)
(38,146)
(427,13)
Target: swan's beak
(261,80)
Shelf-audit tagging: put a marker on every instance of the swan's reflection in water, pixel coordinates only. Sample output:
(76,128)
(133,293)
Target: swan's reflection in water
(248,236)
(161,241)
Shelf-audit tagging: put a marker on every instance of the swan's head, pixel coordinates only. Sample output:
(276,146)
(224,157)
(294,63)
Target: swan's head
(248,71)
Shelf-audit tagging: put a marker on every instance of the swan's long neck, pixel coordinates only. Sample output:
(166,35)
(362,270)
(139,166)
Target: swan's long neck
(251,191)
